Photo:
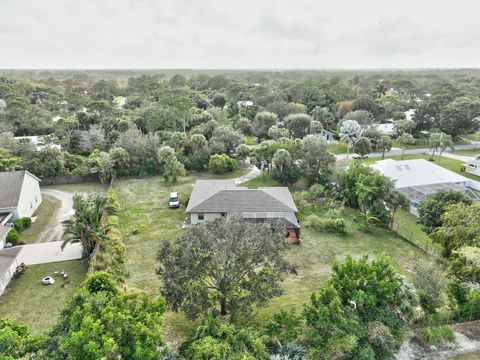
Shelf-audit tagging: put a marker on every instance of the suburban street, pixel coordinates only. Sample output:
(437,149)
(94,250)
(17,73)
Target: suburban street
(398,151)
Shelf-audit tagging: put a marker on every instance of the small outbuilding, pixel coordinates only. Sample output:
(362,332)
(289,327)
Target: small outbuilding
(473,167)
(19,194)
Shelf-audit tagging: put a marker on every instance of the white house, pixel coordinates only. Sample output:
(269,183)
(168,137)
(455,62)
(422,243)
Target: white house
(8,265)
(387,129)
(19,194)
(418,178)
(38,141)
(3,235)
(245,103)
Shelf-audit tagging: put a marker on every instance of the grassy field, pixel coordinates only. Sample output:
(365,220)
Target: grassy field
(406,225)
(146,221)
(30,302)
(44,213)
(79,188)
(470,152)
(467,356)
(338,148)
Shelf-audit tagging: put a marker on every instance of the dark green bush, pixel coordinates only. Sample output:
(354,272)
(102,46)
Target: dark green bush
(22,223)
(325,224)
(221,164)
(12,237)
(435,335)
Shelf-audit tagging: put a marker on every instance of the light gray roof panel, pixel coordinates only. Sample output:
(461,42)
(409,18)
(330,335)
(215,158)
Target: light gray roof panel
(10,188)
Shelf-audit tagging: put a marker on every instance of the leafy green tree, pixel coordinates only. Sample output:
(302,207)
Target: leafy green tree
(226,266)
(362,117)
(363,146)
(323,115)
(440,141)
(460,227)
(263,121)
(276,132)
(8,162)
(404,126)
(103,322)
(228,136)
(244,125)
(317,163)
(384,144)
(16,342)
(433,207)
(221,164)
(405,140)
(350,132)
(396,200)
(223,341)
(88,226)
(298,124)
(458,117)
(285,170)
(242,151)
(431,283)
(171,167)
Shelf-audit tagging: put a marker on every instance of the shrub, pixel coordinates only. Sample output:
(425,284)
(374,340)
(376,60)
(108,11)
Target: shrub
(26,222)
(435,335)
(100,281)
(12,237)
(471,310)
(325,224)
(18,225)
(220,164)
(457,293)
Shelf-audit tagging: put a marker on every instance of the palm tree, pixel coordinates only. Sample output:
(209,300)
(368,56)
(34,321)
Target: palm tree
(404,140)
(396,200)
(380,89)
(384,144)
(88,226)
(446,141)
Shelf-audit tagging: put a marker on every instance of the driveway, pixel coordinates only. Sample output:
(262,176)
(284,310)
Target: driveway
(50,252)
(254,172)
(54,230)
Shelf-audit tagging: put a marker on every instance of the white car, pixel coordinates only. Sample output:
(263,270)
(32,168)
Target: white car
(174,200)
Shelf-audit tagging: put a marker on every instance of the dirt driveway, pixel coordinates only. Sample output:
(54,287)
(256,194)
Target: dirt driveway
(54,230)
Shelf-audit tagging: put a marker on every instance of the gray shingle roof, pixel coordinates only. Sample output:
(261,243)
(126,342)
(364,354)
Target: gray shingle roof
(10,188)
(223,196)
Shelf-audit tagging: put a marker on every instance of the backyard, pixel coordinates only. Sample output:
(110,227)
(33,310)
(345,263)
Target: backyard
(44,214)
(37,305)
(146,220)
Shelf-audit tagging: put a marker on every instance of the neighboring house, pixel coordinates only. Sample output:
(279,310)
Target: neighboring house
(38,141)
(246,103)
(213,199)
(409,114)
(473,167)
(386,129)
(327,136)
(8,265)
(19,194)
(3,235)
(419,177)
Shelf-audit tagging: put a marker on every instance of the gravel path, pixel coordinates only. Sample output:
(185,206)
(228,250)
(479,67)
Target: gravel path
(54,230)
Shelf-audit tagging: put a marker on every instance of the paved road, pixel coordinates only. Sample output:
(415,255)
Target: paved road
(397,151)
(50,252)
(54,230)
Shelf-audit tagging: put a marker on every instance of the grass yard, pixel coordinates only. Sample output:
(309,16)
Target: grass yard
(146,220)
(469,152)
(79,188)
(30,302)
(47,209)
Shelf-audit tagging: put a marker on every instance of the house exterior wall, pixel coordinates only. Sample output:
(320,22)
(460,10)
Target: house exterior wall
(206,217)
(473,169)
(5,280)
(30,198)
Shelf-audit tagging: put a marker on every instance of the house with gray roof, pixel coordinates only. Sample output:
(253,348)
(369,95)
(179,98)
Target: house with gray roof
(19,195)
(213,199)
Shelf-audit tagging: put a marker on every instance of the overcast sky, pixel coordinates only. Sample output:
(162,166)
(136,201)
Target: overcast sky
(226,34)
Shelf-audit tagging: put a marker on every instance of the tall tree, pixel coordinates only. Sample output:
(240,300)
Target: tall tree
(263,121)
(384,144)
(317,162)
(226,266)
(350,132)
(88,226)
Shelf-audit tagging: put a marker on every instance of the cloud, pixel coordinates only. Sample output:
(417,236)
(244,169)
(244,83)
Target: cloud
(238,34)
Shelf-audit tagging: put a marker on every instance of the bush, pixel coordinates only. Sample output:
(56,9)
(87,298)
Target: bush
(12,237)
(22,223)
(325,224)
(435,335)
(471,310)
(221,164)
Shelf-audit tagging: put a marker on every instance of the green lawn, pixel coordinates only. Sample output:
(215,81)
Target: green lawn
(146,220)
(79,188)
(30,302)
(406,225)
(338,148)
(470,152)
(44,213)
(468,356)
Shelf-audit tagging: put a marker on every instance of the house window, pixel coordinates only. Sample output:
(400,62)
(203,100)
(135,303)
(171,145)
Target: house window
(201,216)
(223,214)
(36,198)
(31,205)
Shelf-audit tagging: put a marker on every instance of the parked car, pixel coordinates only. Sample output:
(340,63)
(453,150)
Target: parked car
(358,156)
(174,200)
